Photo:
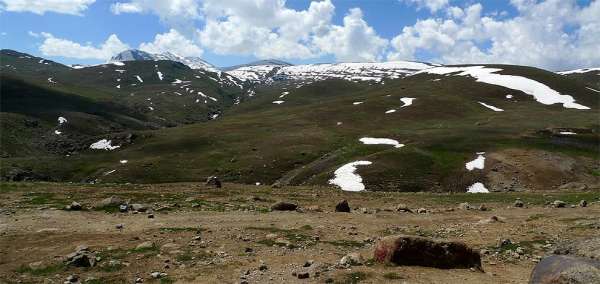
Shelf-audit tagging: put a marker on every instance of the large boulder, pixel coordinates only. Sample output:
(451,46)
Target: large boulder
(562,269)
(342,206)
(81,257)
(409,250)
(284,206)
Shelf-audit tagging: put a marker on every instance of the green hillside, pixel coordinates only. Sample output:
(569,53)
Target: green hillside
(317,129)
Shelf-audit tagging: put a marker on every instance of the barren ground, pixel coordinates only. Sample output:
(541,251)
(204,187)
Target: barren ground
(206,235)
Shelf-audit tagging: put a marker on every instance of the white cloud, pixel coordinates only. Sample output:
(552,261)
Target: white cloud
(553,34)
(172,42)
(72,7)
(176,13)
(53,46)
(354,41)
(432,5)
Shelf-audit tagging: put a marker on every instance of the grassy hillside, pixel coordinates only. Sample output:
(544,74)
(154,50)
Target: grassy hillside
(317,129)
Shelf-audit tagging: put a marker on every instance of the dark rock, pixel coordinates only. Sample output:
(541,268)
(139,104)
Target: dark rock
(284,206)
(518,203)
(559,269)
(82,257)
(75,206)
(302,275)
(213,181)
(559,204)
(583,203)
(409,250)
(342,206)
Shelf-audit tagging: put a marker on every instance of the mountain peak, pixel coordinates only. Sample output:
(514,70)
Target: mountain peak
(140,55)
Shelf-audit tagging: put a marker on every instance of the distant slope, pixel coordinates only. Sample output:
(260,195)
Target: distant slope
(300,133)
(589,76)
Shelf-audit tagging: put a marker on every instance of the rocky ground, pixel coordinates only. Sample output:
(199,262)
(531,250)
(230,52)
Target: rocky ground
(192,233)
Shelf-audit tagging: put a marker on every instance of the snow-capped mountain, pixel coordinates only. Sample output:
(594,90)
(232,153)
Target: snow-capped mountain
(315,72)
(139,55)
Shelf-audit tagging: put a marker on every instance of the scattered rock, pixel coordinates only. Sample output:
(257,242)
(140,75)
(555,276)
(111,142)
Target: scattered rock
(403,208)
(75,206)
(558,269)
(465,206)
(82,257)
(351,259)
(72,279)
(421,211)
(559,204)
(302,275)
(138,207)
(213,181)
(263,266)
(518,203)
(110,201)
(409,250)
(145,245)
(342,206)
(589,247)
(482,207)
(583,203)
(123,208)
(284,206)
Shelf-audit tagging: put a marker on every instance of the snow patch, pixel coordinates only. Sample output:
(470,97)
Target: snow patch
(578,71)
(160,75)
(139,78)
(490,107)
(57,132)
(357,103)
(50,80)
(117,63)
(391,111)
(346,179)
(407,101)
(278,102)
(539,91)
(123,161)
(593,90)
(61,120)
(567,133)
(477,188)
(103,145)
(377,141)
(478,163)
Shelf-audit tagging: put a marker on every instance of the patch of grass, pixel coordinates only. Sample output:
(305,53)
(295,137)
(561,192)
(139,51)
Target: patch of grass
(181,229)
(108,208)
(112,267)
(295,236)
(42,271)
(166,280)
(392,276)
(183,257)
(535,217)
(354,277)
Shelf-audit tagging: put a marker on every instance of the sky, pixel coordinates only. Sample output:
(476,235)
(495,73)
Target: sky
(550,34)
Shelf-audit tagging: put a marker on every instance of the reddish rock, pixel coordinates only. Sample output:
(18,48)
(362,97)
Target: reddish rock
(416,251)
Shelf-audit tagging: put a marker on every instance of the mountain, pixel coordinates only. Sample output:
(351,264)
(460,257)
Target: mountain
(400,126)
(266,62)
(589,76)
(139,55)
(265,73)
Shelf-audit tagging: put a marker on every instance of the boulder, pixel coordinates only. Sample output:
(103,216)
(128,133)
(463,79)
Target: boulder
(352,259)
(402,208)
(110,201)
(518,203)
(75,206)
(342,206)
(410,250)
(82,257)
(213,181)
(284,206)
(559,204)
(559,269)
(138,207)
(465,206)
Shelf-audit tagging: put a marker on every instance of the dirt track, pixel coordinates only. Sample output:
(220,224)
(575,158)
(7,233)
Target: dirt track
(216,236)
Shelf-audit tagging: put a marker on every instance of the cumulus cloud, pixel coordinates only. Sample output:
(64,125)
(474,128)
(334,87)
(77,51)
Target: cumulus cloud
(432,5)
(553,34)
(173,42)
(177,13)
(354,41)
(53,46)
(72,7)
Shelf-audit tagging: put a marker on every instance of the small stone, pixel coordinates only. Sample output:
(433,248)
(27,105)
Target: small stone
(284,206)
(518,203)
(421,211)
(402,208)
(139,207)
(464,206)
(119,226)
(302,275)
(482,207)
(583,203)
(75,206)
(123,208)
(263,266)
(151,216)
(155,274)
(352,259)
(504,242)
(145,245)
(308,263)
(72,278)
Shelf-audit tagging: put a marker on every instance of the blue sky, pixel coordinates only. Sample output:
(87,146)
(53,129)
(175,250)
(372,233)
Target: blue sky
(438,30)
